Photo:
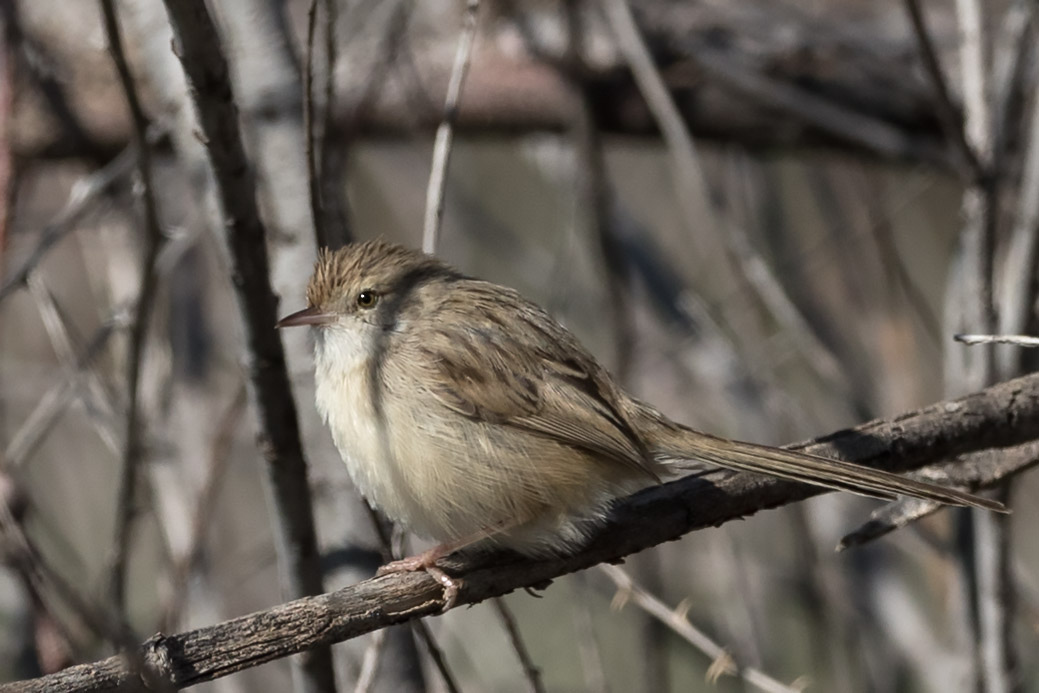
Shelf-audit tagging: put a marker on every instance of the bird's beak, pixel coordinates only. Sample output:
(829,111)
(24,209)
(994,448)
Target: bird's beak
(307,316)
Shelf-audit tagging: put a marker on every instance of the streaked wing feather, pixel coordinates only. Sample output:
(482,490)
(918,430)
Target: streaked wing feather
(499,372)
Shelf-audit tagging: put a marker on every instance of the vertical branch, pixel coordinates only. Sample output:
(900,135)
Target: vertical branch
(308,128)
(132,451)
(445,132)
(335,224)
(1019,287)
(201,55)
(986,539)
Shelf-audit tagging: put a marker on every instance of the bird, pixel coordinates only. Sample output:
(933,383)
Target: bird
(468,415)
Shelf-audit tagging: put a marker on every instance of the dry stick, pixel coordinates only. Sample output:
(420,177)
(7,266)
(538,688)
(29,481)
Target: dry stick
(201,54)
(695,200)
(675,619)
(948,113)
(126,503)
(445,132)
(1003,415)
(530,670)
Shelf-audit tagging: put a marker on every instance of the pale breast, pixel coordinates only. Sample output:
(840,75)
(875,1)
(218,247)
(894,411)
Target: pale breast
(344,401)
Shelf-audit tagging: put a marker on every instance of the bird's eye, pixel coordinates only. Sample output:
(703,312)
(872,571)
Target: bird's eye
(367,298)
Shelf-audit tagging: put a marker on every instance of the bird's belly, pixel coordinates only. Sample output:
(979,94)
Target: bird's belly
(452,479)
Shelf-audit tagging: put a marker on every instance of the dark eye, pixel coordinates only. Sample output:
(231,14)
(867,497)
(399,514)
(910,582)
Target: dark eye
(367,298)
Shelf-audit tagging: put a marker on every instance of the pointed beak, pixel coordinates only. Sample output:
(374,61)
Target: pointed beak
(307,316)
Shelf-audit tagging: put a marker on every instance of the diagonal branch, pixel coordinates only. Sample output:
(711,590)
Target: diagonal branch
(1000,416)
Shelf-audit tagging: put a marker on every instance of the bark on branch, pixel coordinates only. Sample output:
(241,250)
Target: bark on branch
(1003,415)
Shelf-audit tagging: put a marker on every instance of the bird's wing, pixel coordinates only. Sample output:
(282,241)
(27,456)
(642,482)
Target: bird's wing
(501,359)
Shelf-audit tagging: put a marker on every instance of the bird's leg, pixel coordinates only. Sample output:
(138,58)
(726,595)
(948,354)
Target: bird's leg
(427,561)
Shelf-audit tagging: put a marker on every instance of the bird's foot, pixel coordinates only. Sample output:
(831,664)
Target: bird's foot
(426,561)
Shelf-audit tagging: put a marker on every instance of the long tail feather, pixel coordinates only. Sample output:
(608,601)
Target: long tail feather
(813,469)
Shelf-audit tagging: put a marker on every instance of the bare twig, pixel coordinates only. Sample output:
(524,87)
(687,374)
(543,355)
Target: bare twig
(1003,415)
(675,619)
(201,54)
(445,133)
(126,504)
(530,670)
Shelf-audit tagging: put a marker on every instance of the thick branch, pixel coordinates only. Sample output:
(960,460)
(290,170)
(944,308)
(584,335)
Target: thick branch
(1003,415)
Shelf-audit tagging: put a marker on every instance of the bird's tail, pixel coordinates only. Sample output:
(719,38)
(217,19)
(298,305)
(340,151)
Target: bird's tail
(678,443)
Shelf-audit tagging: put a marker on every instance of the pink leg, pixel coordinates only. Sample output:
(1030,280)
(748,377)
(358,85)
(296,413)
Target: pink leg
(427,561)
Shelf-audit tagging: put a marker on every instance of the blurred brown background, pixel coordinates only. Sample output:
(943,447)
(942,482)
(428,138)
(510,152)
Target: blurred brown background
(813,283)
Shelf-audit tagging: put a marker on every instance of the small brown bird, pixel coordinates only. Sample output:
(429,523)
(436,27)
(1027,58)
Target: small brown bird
(466,413)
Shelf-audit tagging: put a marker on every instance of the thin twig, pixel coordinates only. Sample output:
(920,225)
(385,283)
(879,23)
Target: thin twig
(126,503)
(445,132)
(675,619)
(530,670)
